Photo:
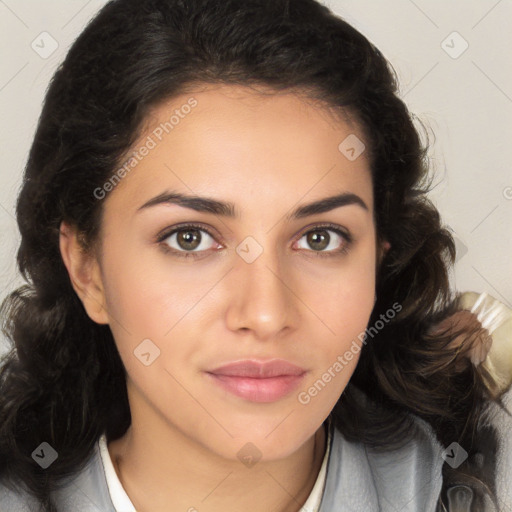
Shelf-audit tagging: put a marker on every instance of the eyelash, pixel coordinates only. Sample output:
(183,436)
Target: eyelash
(196,254)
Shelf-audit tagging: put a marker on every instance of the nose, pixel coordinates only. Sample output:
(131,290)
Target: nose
(261,297)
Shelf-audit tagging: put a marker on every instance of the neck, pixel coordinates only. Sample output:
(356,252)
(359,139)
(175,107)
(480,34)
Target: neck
(192,479)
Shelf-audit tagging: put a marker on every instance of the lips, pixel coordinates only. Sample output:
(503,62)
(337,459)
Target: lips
(256,381)
(255,369)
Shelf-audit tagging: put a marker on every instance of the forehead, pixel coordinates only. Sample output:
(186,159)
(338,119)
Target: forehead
(236,143)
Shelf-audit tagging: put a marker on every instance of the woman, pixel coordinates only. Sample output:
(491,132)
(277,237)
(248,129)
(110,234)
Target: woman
(238,292)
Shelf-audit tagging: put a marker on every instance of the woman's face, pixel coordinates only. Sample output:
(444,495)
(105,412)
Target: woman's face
(198,314)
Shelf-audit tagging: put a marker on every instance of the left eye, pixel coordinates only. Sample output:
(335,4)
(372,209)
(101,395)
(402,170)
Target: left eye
(320,240)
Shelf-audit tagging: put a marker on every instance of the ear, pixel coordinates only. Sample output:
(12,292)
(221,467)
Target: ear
(84,273)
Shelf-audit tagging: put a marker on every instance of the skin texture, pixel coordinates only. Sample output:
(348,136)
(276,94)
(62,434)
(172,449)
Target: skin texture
(267,154)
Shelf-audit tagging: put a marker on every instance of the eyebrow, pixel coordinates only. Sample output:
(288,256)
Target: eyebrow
(228,209)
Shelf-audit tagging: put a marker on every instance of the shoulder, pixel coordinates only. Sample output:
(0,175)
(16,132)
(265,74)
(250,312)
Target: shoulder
(408,478)
(84,491)
(500,418)
(16,500)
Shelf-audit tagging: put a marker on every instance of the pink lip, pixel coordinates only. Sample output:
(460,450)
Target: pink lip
(258,381)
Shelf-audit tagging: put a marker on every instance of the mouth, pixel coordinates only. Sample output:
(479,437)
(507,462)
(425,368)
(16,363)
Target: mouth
(255,381)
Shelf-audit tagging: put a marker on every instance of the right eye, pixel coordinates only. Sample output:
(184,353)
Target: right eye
(186,240)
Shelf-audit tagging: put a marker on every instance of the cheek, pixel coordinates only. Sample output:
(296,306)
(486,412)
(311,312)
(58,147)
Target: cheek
(344,313)
(344,304)
(162,303)
(149,297)
(345,310)
(346,297)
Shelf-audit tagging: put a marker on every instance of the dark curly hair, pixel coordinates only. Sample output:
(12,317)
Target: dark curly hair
(63,380)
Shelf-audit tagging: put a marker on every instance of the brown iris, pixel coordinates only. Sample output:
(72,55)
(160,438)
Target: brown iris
(318,239)
(189,239)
